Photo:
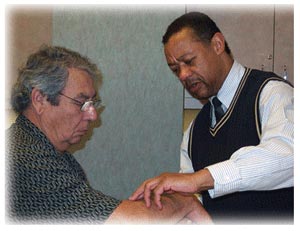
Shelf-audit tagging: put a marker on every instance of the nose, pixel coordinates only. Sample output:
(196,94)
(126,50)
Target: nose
(184,72)
(91,113)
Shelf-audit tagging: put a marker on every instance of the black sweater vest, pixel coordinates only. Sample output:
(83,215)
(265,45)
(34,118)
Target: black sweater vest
(239,127)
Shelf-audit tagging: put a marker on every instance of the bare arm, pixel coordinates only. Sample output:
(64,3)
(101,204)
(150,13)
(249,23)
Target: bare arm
(176,207)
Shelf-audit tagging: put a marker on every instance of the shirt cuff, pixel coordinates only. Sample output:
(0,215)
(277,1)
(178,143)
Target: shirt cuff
(226,177)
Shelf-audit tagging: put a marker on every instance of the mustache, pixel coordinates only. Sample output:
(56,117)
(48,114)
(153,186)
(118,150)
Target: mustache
(188,83)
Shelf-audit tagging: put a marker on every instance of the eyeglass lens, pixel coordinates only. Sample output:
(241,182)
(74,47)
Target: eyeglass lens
(97,104)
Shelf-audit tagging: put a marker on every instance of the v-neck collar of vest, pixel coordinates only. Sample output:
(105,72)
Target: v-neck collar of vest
(213,131)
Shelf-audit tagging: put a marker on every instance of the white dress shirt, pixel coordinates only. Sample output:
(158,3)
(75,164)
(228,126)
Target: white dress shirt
(270,164)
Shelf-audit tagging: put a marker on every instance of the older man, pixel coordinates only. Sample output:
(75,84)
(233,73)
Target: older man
(56,98)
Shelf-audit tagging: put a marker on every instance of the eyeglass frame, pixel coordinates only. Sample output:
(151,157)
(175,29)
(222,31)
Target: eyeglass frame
(83,106)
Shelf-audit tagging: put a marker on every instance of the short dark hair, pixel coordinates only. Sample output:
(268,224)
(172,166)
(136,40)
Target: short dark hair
(203,26)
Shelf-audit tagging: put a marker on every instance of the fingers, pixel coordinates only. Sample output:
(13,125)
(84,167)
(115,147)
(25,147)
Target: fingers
(164,183)
(138,193)
(157,200)
(144,191)
(160,189)
(147,194)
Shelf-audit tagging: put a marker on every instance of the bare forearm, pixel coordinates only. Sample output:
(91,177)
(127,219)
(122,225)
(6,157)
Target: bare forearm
(135,212)
(175,208)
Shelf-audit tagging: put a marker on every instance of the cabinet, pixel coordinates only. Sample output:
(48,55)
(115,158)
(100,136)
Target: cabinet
(259,36)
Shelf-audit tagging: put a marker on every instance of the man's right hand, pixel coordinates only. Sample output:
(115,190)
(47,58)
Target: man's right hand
(188,183)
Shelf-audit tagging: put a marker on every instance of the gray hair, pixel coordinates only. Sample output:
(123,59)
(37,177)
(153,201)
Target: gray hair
(47,71)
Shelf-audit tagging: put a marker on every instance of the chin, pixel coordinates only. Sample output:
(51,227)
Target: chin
(76,140)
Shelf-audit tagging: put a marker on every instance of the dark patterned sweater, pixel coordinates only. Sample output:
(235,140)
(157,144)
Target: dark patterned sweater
(45,185)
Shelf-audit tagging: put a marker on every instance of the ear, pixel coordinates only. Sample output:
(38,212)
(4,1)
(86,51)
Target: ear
(38,101)
(218,42)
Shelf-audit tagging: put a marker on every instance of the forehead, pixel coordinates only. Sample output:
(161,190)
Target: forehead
(183,34)
(79,81)
(183,42)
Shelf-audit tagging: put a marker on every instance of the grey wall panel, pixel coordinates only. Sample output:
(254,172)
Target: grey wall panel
(140,130)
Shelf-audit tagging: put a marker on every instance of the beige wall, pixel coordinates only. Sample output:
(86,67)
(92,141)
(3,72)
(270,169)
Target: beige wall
(188,116)
(27,30)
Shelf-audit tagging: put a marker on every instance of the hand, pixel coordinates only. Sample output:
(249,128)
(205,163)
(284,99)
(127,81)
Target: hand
(172,182)
(197,214)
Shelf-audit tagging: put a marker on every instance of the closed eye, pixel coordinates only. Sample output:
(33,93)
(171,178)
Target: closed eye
(189,61)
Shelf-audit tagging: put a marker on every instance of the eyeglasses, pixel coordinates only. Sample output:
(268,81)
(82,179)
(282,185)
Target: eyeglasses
(87,104)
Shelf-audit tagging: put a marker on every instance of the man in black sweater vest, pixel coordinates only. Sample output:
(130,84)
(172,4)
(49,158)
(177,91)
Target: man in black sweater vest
(238,153)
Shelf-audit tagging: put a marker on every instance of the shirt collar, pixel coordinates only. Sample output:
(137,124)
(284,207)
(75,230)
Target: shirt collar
(231,83)
(35,132)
